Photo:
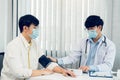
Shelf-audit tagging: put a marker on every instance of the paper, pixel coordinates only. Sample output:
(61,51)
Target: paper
(78,72)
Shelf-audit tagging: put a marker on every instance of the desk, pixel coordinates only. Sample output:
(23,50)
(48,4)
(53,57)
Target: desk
(57,76)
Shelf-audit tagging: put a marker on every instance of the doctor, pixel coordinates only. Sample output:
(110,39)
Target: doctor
(96,53)
(22,54)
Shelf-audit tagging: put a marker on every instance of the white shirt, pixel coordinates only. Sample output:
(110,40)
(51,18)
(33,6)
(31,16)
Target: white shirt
(18,58)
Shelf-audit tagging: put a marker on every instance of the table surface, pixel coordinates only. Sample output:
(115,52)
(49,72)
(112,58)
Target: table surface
(57,76)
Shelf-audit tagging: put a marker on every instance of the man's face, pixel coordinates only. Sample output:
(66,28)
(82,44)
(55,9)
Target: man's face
(94,31)
(96,28)
(29,30)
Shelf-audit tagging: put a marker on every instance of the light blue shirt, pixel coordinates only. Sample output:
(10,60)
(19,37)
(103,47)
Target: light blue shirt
(92,52)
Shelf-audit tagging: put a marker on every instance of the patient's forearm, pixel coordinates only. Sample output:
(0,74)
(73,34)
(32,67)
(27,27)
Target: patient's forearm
(58,69)
(40,72)
(36,73)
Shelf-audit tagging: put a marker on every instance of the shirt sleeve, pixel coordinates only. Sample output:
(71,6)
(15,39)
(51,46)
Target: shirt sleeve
(60,61)
(93,68)
(52,65)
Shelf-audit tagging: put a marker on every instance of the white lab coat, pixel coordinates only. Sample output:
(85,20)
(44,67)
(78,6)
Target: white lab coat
(15,64)
(104,58)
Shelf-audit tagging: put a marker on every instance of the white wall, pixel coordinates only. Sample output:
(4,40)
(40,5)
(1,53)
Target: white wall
(116,31)
(5,23)
(2,21)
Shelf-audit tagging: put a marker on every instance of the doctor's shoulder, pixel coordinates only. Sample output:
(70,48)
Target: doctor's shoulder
(110,42)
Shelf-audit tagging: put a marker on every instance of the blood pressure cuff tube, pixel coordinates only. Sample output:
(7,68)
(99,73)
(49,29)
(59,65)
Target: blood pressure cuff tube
(47,63)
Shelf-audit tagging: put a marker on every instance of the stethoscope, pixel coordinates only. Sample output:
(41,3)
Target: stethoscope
(85,54)
(103,42)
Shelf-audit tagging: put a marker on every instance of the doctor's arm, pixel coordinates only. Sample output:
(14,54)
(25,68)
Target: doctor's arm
(73,56)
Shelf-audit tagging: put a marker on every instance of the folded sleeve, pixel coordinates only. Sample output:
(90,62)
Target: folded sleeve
(52,65)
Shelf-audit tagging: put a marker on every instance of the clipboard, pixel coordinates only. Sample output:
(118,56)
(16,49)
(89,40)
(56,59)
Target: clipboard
(100,74)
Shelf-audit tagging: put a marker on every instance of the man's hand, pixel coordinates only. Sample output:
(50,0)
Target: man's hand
(52,59)
(68,73)
(63,71)
(84,68)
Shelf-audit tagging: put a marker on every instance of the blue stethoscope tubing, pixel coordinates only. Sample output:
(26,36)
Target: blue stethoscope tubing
(102,43)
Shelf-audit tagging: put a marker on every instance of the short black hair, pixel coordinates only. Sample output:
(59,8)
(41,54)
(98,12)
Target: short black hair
(93,20)
(27,20)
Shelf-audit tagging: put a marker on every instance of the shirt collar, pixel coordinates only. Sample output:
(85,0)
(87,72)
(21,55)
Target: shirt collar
(25,41)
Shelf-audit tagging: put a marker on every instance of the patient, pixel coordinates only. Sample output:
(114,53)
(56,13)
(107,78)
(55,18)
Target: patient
(22,54)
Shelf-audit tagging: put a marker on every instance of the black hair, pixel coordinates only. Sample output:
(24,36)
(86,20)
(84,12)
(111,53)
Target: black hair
(27,20)
(93,21)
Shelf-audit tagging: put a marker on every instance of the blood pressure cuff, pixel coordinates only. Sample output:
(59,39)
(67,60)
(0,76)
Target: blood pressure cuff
(47,63)
(44,61)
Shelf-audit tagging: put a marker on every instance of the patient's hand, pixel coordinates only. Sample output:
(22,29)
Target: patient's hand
(63,71)
(68,73)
